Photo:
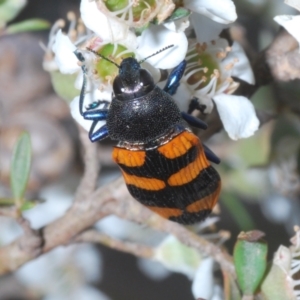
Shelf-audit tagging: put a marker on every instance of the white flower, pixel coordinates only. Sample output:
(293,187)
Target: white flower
(107,29)
(64,56)
(60,47)
(208,77)
(203,285)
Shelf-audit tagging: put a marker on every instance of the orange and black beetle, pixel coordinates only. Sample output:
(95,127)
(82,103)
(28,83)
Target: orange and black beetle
(163,163)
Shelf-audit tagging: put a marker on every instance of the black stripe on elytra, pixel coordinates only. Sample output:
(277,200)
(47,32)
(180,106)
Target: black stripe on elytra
(190,218)
(181,196)
(158,166)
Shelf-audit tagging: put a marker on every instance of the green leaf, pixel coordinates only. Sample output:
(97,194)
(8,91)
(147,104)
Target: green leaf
(28,25)
(20,167)
(250,260)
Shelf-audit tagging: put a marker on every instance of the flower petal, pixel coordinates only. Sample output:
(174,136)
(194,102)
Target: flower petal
(212,28)
(108,29)
(237,114)
(156,38)
(221,11)
(65,59)
(89,98)
(242,69)
(203,282)
(291,24)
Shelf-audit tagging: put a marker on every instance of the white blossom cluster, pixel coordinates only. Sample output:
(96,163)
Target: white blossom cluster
(140,28)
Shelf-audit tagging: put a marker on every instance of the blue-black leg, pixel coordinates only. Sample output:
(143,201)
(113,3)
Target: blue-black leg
(97,103)
(193,121)
(91,113)
(98,135)
(211,156)
(84,71)
(195,105)
(95,115)
(174,78)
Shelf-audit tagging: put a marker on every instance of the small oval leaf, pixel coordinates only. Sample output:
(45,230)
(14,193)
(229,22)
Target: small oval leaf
(28,25)
(250,261)
(20,166)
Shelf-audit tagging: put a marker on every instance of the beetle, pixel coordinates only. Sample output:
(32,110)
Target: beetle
(164,164)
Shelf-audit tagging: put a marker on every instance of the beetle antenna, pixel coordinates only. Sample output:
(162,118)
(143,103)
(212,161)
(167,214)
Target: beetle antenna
(98,54)
(159,51)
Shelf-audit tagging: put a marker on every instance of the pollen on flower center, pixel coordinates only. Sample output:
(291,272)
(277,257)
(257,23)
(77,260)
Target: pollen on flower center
(209,68)
(201,67)
(131,10)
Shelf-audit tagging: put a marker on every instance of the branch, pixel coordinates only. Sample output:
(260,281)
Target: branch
(62,231)
(111,199)
(92,167)
(26,247)
(93,236)
(135,212)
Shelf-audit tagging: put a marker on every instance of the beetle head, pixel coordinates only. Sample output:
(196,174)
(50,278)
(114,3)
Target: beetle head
(132,81)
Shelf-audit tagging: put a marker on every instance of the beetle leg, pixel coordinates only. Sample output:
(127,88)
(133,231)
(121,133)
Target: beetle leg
(97,103)
(193,121)
(210,155)
(95,115)
(174,78)
(98,135)
(83,88)
(195,105)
